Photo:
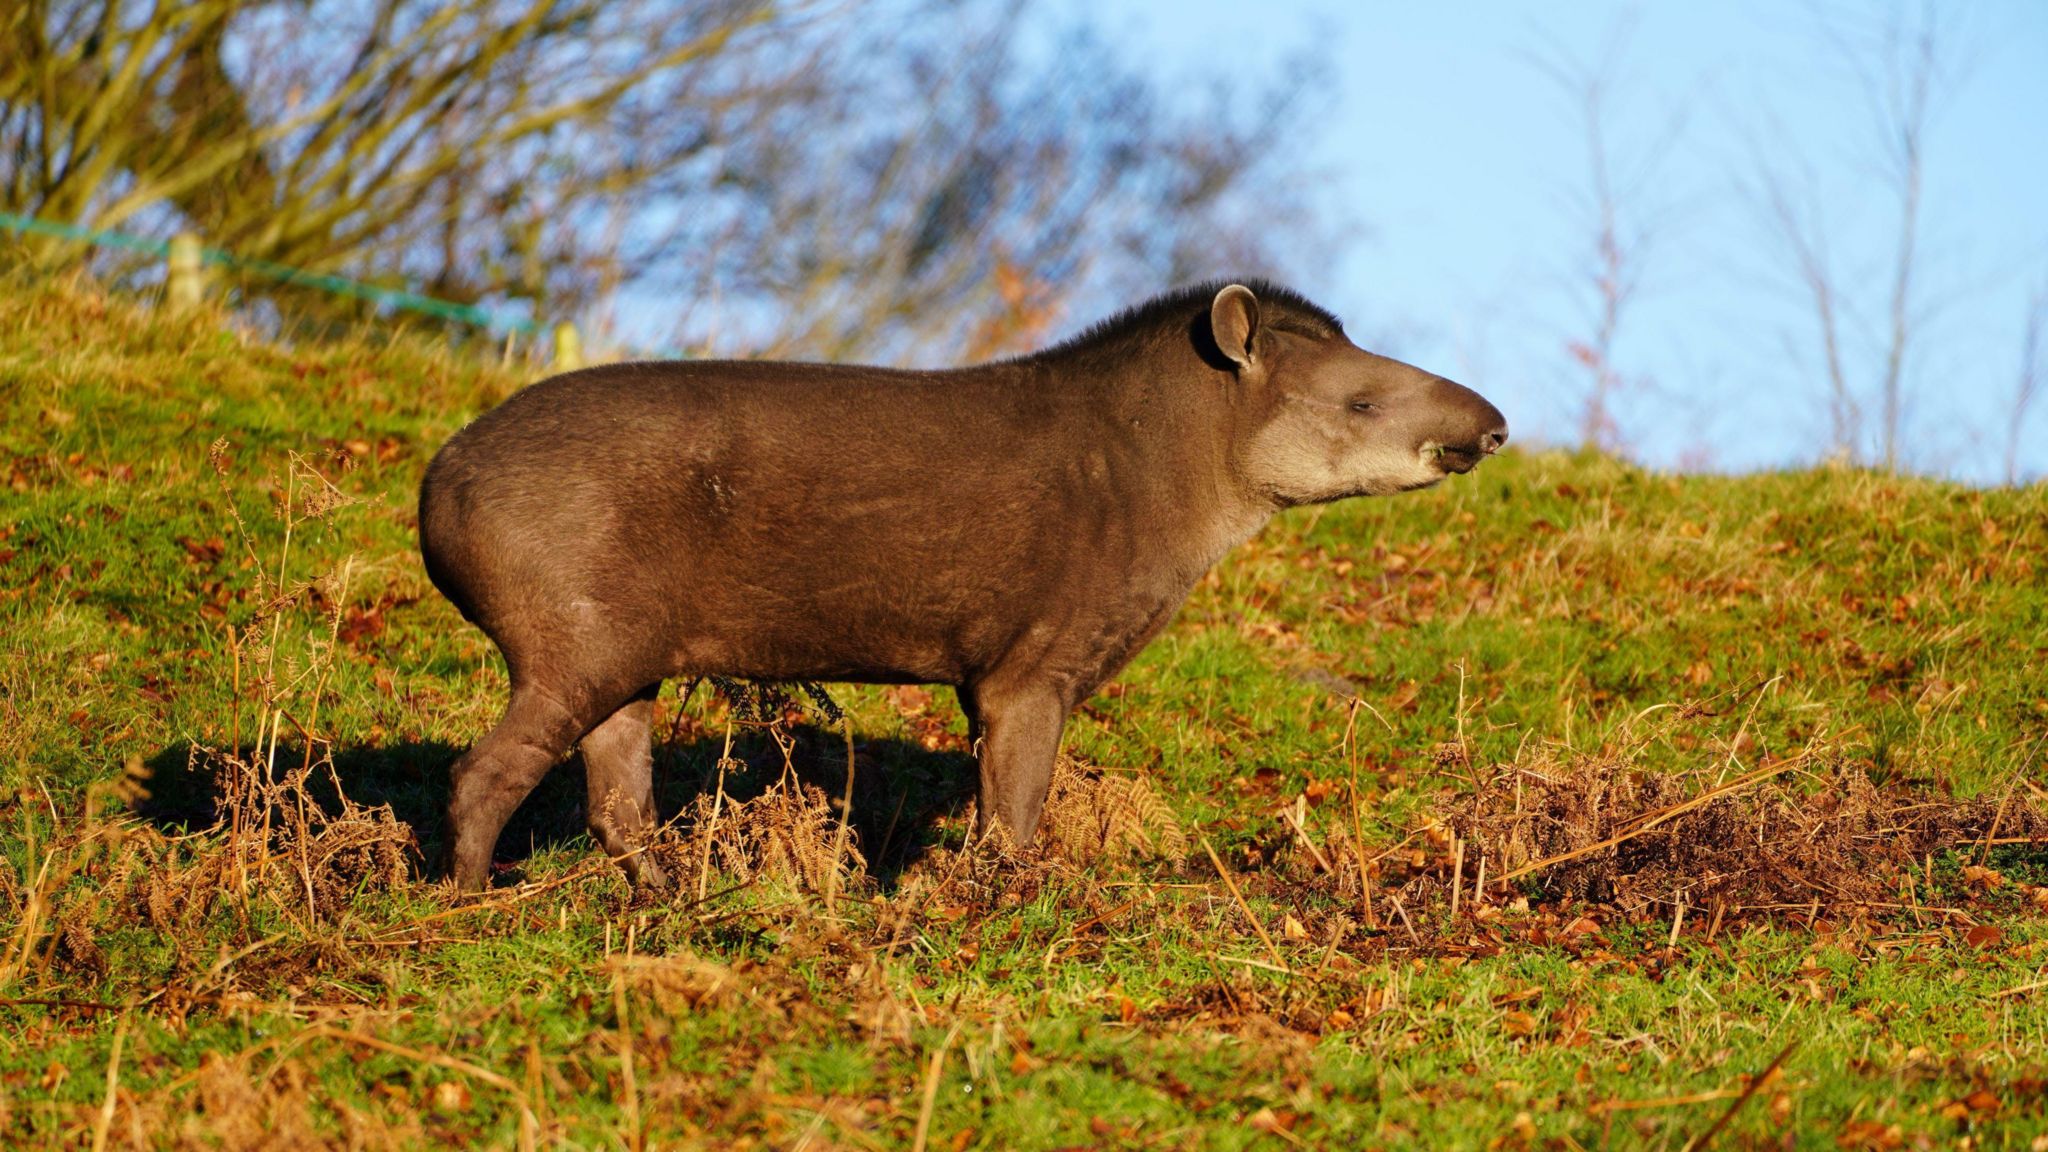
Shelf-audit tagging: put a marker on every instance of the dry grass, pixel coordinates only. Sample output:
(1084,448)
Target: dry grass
(279,842)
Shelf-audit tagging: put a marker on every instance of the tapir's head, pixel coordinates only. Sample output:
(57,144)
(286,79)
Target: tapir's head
(1324,419)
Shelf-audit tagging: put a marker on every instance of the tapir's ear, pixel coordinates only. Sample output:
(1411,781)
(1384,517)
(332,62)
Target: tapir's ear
(1234,321)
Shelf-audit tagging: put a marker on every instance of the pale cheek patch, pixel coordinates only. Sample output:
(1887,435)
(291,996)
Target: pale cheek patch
(1296,468)
(1387,470)
(1396,471)
(1302,465)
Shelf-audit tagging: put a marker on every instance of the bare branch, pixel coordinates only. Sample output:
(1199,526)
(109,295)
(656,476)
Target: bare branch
(2028,386)
(1622,227)
(1904,65)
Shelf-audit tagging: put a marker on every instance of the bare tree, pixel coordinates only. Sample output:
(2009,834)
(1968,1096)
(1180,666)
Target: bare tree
(821,178)
(438,143)
(2029,383)
(973,190)
(1615,209)
(1869,327)
(1801,228)
(1911,69)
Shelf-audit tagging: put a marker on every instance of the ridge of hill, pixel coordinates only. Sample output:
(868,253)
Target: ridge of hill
(1244,934)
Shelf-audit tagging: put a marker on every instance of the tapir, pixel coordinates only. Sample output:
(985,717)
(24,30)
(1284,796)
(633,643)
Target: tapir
(1017,530)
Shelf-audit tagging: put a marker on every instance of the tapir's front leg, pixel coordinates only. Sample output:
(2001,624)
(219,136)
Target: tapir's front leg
(1019,738)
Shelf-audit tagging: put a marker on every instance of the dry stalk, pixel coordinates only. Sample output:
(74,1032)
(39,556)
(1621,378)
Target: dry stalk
(845,823)
(1358,820)
(1293,817)
(1457,874)
(1602,1107)
(717,805)
(635,1135)
(1748,1090)
(1991,835)
(931,1090)
(1230,883)
(1735,745)
(1405,922)
(105,1121)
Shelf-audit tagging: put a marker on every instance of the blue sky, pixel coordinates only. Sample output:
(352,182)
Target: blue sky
(1458,159)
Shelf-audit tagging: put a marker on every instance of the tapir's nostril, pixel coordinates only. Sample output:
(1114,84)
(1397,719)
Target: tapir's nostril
(1494,439)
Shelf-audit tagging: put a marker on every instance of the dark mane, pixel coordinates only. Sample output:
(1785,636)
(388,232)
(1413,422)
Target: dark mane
(1279,307)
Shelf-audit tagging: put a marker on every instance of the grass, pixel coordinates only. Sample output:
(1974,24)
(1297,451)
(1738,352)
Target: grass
(288,978)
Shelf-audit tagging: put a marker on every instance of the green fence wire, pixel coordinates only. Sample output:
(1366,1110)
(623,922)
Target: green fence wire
(296,277)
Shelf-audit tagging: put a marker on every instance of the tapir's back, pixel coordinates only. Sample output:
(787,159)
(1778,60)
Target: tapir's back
(772,520)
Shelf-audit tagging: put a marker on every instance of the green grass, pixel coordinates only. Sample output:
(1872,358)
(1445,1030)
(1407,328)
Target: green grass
(1536,608)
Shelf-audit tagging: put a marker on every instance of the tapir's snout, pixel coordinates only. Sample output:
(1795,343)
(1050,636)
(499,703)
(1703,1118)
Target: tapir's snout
(1473,428)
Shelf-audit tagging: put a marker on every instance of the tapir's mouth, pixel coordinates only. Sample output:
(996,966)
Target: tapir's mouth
(1459,460)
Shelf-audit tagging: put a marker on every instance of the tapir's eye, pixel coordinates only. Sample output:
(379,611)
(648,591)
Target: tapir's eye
(1362,405)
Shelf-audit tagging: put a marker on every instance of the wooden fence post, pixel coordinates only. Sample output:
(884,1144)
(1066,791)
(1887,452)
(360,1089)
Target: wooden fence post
(568,348)
(184,277)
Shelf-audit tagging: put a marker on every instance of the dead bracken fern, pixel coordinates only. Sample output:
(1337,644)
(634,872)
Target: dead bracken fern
(1797,837)
(1092,815)
(236,1111)
(277,842)
(791,832)
(277,848)
(1826,837)
(682,982)
(787,834)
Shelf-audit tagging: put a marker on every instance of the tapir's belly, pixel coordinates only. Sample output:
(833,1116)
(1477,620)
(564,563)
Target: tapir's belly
(911,613)
(868,627)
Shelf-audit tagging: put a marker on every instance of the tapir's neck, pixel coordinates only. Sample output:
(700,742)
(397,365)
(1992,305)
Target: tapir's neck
(1177,420)
(1224,521)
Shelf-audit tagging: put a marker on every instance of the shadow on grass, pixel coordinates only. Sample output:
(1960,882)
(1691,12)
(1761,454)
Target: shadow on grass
(905,796)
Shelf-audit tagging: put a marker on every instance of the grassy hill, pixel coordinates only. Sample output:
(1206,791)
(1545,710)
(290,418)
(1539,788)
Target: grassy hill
(1785,728)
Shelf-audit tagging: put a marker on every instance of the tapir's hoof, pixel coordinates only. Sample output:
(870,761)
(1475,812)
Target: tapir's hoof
(647,876)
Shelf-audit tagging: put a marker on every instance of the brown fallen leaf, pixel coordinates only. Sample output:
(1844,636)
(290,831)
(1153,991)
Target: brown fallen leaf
(1870,1136)
(1272,1122)
(451,1096)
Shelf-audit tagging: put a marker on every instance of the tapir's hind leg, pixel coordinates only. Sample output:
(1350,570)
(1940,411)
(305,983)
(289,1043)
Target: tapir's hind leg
(618,762)
(492,778)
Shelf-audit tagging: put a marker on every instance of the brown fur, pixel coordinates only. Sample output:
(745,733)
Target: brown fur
(1018,530)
